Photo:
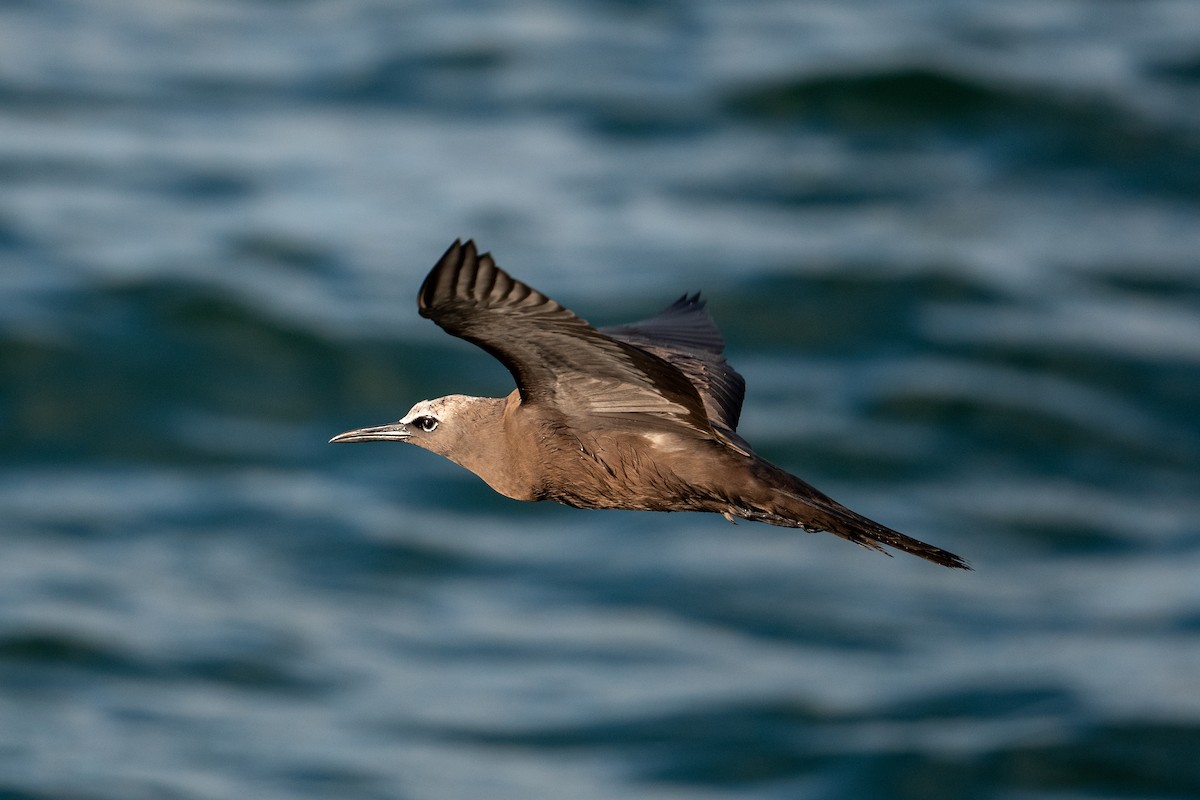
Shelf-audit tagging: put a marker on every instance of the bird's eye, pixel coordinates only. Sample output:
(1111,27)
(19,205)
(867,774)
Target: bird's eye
(427,424)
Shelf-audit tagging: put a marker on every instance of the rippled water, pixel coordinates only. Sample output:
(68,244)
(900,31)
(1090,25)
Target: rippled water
(953,247)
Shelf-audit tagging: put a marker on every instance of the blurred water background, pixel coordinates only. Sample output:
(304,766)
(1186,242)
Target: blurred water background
(954,248)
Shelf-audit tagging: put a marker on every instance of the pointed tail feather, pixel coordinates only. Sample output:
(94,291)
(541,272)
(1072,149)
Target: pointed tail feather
(802,506)
(850,525)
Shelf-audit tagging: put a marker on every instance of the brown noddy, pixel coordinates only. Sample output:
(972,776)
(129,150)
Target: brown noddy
(640,416)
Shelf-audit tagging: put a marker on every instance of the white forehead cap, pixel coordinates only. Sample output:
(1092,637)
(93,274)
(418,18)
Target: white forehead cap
(437,408)
(425,408)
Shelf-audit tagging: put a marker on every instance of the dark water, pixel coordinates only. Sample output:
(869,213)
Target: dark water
(955,249)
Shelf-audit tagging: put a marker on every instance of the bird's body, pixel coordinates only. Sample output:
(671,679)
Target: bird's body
(639,417)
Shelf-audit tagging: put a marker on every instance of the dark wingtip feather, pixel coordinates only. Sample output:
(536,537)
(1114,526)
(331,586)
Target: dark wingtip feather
(441,279)
(686,302)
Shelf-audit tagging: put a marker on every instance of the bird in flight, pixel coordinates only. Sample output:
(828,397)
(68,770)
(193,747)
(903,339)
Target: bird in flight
(640,416)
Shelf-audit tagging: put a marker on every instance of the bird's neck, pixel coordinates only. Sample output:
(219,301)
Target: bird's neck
(494,451)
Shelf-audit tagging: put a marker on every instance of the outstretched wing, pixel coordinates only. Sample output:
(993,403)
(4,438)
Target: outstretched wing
(684,335)
(557,359)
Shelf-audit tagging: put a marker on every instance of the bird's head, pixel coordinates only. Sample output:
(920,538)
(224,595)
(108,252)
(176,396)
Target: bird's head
(438,425)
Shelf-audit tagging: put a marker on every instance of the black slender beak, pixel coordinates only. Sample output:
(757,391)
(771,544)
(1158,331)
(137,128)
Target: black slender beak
(392,432)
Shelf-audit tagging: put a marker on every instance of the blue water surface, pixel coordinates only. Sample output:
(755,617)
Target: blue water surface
(953,247)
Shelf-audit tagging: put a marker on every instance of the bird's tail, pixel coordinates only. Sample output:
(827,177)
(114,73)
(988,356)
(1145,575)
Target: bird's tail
(795,504)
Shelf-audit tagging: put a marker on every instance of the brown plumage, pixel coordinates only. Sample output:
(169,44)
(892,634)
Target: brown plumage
(640,416)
